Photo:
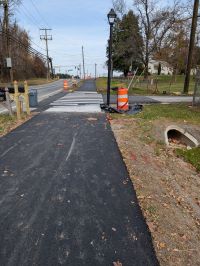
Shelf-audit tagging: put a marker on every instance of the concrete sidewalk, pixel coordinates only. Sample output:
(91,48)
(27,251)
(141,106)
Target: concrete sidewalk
(136,99)
(66,197)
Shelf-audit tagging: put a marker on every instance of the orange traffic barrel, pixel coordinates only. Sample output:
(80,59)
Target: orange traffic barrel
(65,85)
(122,99)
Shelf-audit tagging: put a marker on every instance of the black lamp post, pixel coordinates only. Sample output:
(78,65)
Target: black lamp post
(111,18)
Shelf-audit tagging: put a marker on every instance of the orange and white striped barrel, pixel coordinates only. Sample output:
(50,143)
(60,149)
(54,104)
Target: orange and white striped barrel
(65,85)
(122,99)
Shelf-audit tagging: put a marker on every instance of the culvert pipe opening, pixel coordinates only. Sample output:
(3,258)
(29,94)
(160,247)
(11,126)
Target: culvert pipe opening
(179,137)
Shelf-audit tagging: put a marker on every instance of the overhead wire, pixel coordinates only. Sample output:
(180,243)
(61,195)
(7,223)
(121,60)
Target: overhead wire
(39,13)
(30,14)
(24,13)
(28,48)
(33,20)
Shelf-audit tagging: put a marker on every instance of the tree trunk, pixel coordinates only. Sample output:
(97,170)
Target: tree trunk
(125,73)
(146,63)
(146,71)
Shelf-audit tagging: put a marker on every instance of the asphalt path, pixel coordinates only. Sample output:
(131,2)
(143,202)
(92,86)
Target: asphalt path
(88,85)
(66,197)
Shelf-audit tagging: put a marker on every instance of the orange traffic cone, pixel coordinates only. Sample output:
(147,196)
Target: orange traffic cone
(65,86)
(122,99)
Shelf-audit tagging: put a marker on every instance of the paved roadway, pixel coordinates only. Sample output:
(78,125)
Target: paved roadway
(45,91)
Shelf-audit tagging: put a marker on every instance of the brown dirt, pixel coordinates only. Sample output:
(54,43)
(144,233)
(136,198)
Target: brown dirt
(167,189)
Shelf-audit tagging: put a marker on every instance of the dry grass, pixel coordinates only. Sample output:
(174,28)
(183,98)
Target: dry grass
(140,87)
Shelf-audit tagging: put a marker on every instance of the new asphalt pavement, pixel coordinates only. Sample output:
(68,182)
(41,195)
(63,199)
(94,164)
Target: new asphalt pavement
(66,197)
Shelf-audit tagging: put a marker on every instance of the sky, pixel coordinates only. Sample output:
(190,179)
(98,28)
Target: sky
(74,24)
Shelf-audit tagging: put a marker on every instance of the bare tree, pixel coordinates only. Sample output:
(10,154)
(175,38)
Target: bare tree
(155,23)
(192,45)
(120,7)
(26,62)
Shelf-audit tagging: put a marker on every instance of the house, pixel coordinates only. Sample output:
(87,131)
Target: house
(166,69)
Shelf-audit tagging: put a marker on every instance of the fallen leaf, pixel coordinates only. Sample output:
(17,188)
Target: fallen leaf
(141,197)
(117,263)
(60,144)
(173,234)
(165,205)
(184,237)
(109,118)
(152,226)
(161,245)
(92,119)
(133,156)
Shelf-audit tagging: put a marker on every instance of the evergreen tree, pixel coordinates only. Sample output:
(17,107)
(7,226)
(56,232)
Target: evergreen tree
(127,44)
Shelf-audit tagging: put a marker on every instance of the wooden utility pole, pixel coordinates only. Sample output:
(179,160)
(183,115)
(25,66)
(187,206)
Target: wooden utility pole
(6,39)
(83,63)
(51,66)
(191,46)
(45,37)
(80,70)
(95,71)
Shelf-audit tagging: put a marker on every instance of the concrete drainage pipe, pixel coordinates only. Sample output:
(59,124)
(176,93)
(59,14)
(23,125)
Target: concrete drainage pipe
(180,135)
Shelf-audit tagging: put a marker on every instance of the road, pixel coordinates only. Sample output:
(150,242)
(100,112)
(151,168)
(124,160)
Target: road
(45,91)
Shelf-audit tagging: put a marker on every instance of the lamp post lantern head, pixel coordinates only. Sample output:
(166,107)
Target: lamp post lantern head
(112,16)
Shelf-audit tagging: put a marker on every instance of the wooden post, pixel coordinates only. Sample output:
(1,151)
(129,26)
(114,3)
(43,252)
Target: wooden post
(17,100)
(26,97)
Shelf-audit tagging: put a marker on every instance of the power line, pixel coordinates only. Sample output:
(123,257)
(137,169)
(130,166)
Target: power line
(28,17)
(36,26)
(37,45)
(26,47)
(28,14)
(37,10)
(75,65)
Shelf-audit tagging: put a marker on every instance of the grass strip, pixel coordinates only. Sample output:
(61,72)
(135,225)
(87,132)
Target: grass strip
(191,156)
